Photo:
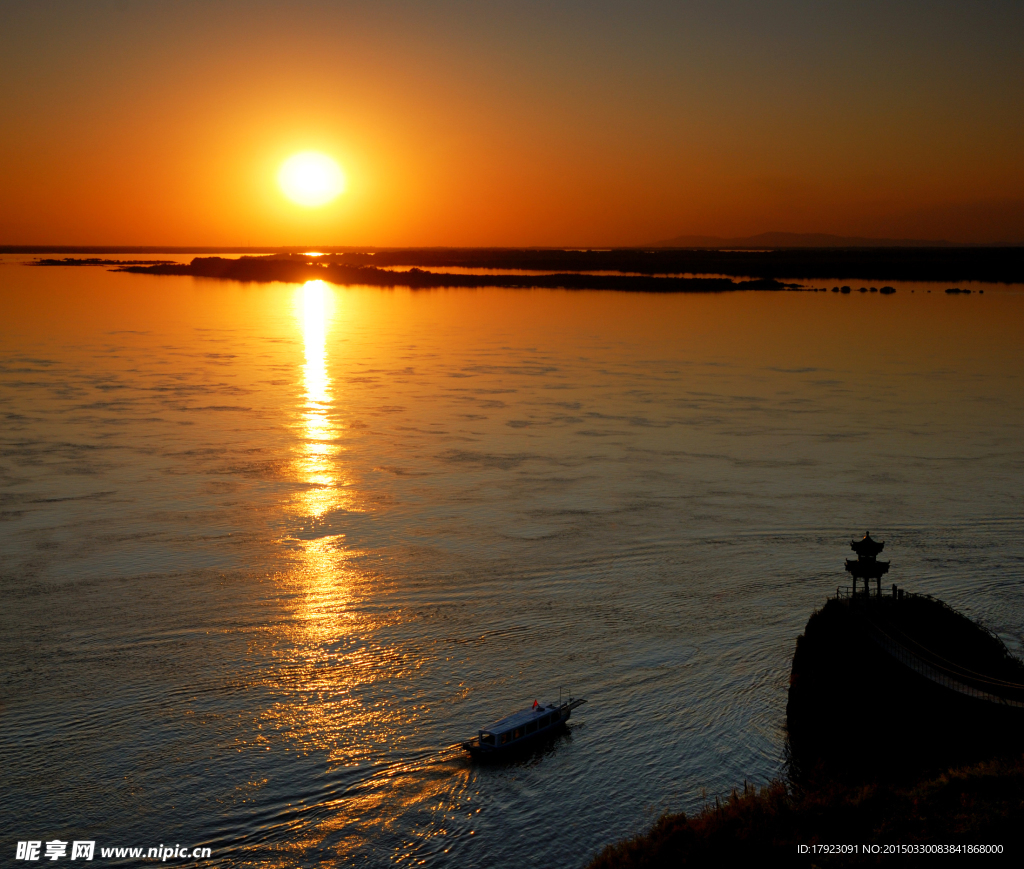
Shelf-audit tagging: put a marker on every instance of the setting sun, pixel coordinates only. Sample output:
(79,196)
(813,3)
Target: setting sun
(311,179)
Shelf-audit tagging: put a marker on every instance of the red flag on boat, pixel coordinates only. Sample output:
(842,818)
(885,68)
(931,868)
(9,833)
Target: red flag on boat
(535,704)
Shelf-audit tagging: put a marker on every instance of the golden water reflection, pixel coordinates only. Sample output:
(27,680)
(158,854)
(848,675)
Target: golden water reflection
(317,467)
(321,579)
(323,665)
(335,671)
(323,576)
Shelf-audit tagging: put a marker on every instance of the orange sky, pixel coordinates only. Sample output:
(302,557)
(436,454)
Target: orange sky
(471,124)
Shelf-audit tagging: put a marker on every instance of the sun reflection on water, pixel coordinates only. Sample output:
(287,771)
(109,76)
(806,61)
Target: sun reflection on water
(323,666)
(335,673)
(314,303)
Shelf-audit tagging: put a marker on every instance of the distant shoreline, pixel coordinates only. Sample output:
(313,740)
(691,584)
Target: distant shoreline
(293,268)
(991,264)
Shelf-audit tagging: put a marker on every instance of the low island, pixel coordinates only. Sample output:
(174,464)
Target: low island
(350,271)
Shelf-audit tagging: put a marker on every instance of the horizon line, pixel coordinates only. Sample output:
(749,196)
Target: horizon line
(891,244)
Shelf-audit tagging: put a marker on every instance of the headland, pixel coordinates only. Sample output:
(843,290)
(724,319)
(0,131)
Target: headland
(905,723)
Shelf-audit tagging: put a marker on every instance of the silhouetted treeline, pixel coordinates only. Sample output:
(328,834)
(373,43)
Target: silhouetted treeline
(1002,264)
(336,270)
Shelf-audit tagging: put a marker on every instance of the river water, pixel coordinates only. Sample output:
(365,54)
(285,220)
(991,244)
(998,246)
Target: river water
(268,552)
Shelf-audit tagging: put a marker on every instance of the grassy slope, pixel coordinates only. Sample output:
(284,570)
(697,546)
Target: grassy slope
(981,804)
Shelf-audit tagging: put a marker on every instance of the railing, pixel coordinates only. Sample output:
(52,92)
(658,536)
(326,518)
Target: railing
(845,592)
(953,677)
(979,688)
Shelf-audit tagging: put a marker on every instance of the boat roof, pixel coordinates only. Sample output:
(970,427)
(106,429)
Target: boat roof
(520,717)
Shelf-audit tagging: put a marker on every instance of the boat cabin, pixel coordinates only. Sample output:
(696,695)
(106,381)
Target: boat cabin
(519,725)
(520,728)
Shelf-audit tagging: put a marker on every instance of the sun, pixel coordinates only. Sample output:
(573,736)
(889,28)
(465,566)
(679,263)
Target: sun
(311,179)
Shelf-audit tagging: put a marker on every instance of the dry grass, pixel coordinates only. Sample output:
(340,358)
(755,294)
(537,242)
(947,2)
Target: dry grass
(980,804)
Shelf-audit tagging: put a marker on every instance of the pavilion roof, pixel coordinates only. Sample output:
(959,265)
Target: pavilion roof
(867,546)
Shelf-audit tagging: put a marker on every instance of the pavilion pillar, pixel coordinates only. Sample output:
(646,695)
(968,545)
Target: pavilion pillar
(867,565)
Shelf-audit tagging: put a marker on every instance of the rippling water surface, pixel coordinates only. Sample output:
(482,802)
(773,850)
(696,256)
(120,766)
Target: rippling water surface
(269,552)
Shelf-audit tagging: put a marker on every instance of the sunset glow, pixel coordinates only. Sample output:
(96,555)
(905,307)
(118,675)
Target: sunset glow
(628,127)
(311,179)
(383,382)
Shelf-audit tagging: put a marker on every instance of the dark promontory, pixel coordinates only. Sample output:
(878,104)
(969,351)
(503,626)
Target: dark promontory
(885,681)
(906,726)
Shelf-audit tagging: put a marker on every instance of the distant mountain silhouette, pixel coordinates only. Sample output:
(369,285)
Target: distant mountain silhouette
(793,239)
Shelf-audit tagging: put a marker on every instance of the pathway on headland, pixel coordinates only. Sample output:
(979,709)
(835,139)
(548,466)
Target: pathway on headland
(937,669)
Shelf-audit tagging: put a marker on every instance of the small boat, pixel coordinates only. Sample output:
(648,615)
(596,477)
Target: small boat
(520,729)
